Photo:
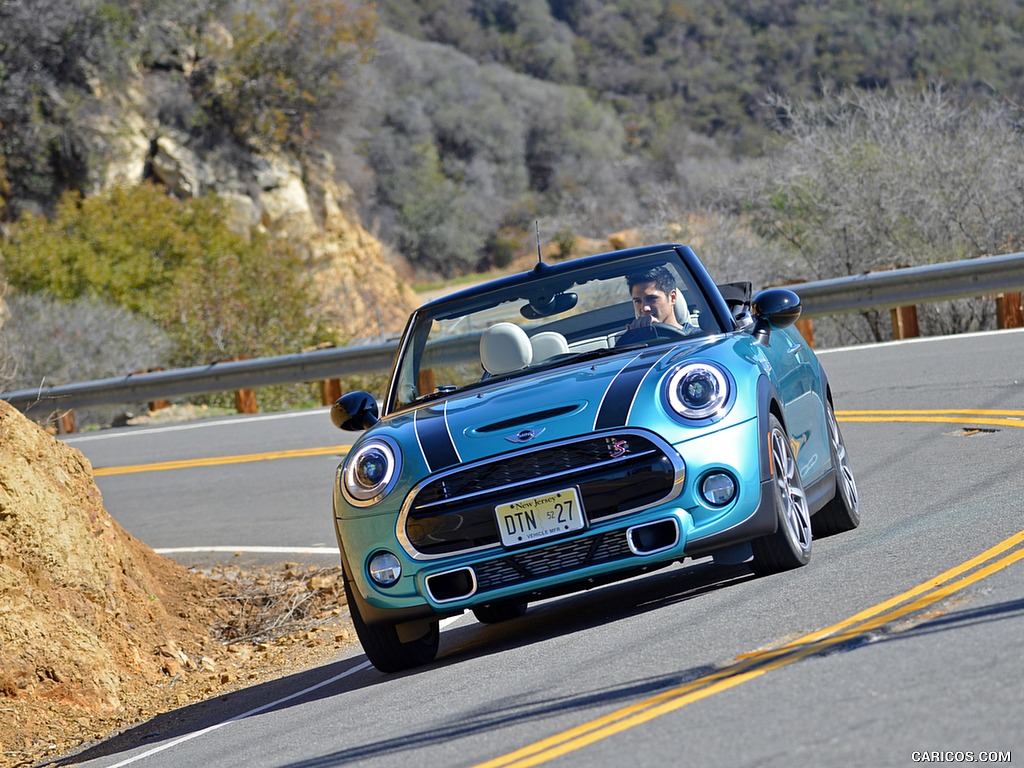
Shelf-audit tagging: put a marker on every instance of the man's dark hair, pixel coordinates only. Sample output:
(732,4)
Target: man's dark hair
(660,275)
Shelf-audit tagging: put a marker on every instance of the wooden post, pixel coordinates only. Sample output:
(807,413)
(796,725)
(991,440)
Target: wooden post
(245,401)
(66,423)
(904,323)
(1009,310)
(806,327)
(426,381)
(330,391)
(154,405)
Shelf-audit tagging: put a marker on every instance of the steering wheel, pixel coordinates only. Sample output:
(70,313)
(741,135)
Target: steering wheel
(649,333)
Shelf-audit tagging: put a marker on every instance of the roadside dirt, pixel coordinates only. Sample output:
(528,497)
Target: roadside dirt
(99,633)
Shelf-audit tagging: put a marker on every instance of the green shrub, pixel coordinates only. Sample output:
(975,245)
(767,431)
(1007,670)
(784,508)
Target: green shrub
(216,293)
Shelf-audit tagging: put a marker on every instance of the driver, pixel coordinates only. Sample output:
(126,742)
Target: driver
(654,297)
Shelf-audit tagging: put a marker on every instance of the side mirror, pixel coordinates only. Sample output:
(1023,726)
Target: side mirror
(355,411)
(774,308)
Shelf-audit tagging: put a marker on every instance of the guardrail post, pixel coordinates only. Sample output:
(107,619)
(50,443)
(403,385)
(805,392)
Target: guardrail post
(154,405)
(904,323)
(1009,310)
(330,391)
(66,423)
(245,399)
(806,327)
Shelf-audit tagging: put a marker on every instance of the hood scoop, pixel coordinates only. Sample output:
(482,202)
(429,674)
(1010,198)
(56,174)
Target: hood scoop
(527,418)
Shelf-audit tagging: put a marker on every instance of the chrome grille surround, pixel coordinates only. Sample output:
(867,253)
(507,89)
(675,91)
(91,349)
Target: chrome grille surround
(471,490)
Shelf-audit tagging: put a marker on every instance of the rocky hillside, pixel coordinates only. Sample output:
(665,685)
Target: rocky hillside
(288,196)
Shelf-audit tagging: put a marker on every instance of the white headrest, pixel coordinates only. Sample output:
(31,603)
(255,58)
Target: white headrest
(682,311)
(548,344)
(505,347)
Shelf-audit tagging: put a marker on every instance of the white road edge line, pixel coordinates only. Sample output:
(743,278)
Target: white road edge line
(918,340)
(263,708)
(130,432)
(250,550)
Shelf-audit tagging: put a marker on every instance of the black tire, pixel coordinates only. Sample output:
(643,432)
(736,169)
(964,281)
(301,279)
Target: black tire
(382,646)
(842,513)
(495,613)
(790,546)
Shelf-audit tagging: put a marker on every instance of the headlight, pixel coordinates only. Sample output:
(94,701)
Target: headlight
(371,471)
(698,391)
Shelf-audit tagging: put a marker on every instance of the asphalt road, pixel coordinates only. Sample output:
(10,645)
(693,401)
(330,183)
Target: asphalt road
(900,643)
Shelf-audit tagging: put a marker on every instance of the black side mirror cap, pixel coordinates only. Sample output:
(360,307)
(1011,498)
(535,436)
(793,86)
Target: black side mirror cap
(355,411)
(774,308)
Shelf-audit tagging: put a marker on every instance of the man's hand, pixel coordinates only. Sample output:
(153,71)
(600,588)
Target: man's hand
(641,322)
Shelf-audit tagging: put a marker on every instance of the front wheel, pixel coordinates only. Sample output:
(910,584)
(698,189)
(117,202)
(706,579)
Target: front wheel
(790,545)
(382,645)
(842,513)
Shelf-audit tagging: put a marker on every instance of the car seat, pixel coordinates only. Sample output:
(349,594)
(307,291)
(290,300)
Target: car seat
(505,347)
(547,344)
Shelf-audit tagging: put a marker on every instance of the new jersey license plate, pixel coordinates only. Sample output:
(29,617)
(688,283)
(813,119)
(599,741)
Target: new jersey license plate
(539,517)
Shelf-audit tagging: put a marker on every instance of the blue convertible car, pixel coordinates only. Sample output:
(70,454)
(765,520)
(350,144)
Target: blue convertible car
(576,424)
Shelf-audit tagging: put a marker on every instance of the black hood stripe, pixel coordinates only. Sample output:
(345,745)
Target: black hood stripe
(618,400)
(435,439)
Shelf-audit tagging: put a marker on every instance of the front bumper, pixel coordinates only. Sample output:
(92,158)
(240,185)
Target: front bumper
(608,550)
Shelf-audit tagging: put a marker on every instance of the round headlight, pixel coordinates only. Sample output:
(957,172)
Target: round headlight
(370,471)
(698,391)
(385,569)
(718,489)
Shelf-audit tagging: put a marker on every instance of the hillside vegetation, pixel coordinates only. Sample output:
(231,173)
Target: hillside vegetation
(785,141)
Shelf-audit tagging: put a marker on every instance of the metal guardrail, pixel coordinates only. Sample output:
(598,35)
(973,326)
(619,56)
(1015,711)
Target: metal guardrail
(965,279)
(877,290)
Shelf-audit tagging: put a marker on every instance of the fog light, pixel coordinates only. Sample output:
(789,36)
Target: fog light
(718,489)
(385,569)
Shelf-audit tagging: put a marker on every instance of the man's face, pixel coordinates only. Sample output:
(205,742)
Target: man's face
(653,303)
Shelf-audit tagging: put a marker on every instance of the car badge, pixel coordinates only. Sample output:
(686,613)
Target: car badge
(524,435)
(618,448)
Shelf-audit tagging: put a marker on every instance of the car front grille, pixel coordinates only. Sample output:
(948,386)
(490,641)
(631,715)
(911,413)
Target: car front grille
(549,561)
(616,473)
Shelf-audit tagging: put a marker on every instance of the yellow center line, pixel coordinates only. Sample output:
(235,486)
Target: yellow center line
(755,665)
(986,417)
(216,461)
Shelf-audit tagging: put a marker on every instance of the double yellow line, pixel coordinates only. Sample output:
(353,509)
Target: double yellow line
(751,666)
(997,418)
(966,416)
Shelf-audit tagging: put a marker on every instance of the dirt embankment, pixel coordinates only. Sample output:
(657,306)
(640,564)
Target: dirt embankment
(98,632)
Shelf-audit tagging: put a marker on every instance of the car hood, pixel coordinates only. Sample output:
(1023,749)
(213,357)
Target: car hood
(538,408)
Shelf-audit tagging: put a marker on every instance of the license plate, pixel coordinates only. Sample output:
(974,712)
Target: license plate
(539,517)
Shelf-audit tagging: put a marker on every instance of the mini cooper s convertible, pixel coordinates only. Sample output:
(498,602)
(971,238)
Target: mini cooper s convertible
(577,424)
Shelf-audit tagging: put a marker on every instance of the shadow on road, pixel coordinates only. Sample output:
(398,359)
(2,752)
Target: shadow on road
(551,619)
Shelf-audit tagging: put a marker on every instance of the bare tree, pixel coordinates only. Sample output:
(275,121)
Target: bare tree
(870,181)
(875,180)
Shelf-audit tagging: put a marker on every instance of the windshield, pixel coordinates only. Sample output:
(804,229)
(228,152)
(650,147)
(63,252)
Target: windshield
(548,321)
